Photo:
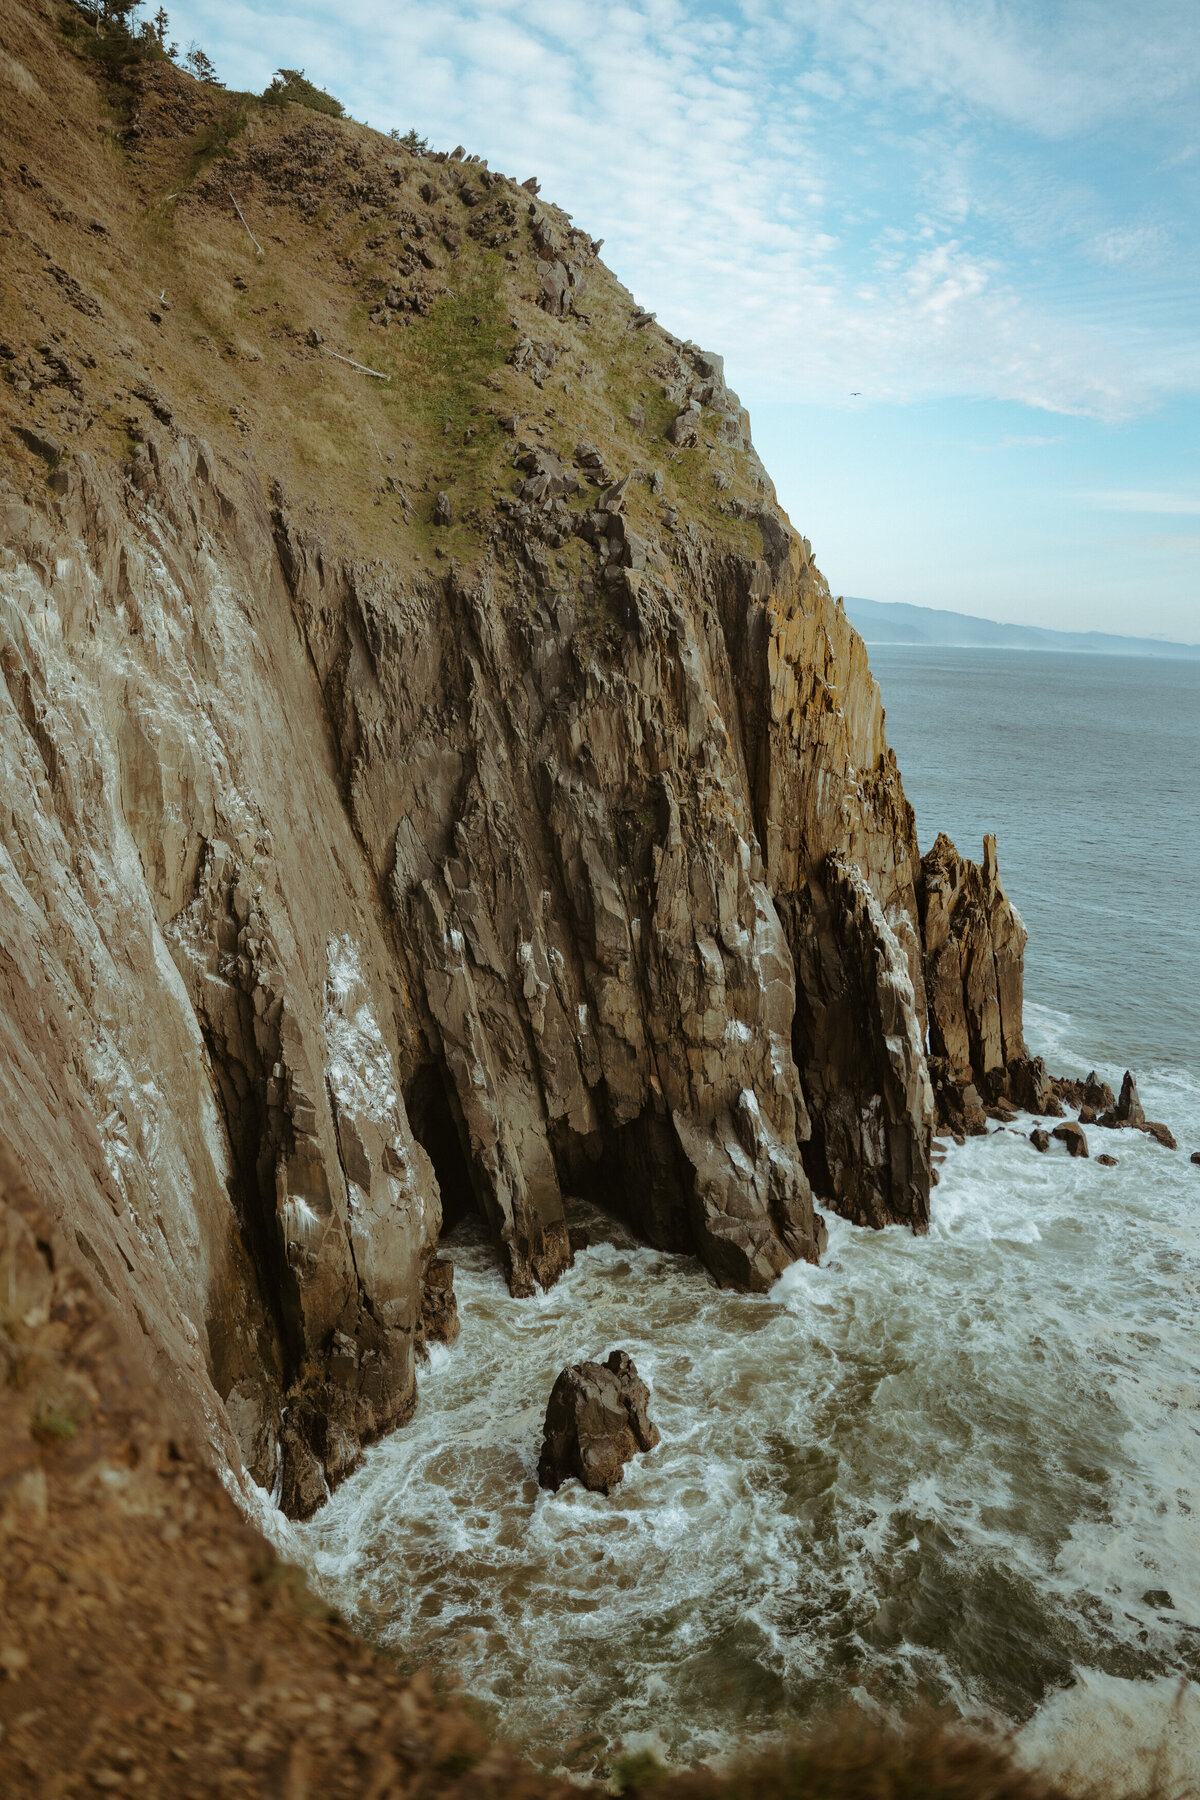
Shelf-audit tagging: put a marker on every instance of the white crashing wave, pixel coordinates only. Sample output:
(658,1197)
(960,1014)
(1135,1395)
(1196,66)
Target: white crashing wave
(962,1466)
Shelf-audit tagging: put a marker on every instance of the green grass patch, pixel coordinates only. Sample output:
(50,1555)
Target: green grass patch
(217,139)
(54,1425)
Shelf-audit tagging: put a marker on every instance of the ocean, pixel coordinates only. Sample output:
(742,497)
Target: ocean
(962,1469)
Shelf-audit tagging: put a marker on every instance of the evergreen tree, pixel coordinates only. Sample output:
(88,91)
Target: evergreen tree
(201,66)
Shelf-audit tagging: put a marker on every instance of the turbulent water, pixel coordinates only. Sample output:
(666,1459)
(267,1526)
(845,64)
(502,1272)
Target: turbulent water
(964,1467)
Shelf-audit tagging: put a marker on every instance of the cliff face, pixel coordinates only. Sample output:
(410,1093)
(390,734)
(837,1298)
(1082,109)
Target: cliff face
(452,791)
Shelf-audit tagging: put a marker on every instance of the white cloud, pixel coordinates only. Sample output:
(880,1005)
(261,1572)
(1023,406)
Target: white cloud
(1132,500)
(1056,69)
(1130,244)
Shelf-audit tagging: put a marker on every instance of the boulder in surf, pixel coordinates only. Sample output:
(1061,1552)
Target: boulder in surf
(596,1422)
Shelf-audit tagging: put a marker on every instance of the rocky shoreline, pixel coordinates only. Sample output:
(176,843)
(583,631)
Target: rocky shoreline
(448,793)
(522,825)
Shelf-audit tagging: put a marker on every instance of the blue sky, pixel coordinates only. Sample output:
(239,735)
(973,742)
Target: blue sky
(949,249)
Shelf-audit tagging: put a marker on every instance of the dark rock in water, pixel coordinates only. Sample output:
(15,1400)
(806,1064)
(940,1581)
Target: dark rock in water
(1087,1115)
(579,1238)
(1091,1091)
(1127,1114)
(1029,1085)
(974,942)
(438,1322)
(1159,1598)
(595,1423)
(1195,1157)
(1039,1139)
(1128,1108)
(1110,1162)
(1096,1093)
(1073,1136)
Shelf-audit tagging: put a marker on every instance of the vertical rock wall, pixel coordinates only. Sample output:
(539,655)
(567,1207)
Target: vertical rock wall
(200,1037)
(298,835)
(425,809)
(974,941)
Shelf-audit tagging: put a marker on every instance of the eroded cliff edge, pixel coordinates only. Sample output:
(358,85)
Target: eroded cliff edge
(455,790)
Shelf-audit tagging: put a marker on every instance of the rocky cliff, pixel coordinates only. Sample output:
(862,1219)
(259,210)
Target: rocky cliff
(436,774)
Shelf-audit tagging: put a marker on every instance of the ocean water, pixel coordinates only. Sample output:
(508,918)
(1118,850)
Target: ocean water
(1087,768)
(962,1468)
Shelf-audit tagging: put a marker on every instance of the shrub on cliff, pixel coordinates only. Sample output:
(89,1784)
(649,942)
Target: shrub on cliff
(290,84)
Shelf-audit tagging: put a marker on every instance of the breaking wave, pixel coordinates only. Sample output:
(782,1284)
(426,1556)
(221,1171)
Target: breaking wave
(960,1468)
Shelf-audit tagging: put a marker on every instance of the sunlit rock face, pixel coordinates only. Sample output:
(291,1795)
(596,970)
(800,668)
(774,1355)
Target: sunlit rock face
(453,792)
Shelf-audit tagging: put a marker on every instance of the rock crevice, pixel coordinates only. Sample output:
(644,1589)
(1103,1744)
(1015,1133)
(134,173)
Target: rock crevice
(444,794)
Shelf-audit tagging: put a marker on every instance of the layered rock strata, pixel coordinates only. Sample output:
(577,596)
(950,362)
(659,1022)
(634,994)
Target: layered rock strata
(974,944)
(428,796)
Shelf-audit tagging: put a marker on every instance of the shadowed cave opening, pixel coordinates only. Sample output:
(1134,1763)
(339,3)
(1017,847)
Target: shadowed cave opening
(432,1116)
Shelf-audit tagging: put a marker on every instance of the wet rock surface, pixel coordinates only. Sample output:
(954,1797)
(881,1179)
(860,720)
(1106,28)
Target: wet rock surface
(974,943)
(1127,1113)
(596,1422)
(1073,1136)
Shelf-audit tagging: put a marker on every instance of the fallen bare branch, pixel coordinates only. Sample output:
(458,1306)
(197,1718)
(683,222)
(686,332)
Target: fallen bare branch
(241,215)
(377,373)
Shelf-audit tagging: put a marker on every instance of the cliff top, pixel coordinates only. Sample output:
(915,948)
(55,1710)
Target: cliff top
(223,262)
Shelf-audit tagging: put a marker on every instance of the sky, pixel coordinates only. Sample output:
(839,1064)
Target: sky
(950,250)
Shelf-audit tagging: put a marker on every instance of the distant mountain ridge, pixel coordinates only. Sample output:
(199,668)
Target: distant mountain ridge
(895,622)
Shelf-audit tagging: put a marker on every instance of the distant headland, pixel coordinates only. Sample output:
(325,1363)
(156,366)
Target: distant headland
(894,622)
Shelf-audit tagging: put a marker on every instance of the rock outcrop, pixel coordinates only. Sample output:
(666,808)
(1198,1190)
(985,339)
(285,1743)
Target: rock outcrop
(1073,1136)
(596,1422)
(424,796)
(974,943)
(1128,1109)
(1127,1113)
(859,1047)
